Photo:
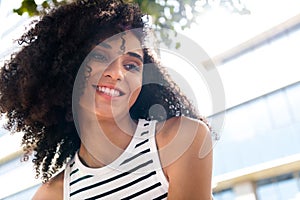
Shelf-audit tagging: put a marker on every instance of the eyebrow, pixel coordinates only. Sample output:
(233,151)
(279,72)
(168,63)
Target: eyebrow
(105,45)
(135,55)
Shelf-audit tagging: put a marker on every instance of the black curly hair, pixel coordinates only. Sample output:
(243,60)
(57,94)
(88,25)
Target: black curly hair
(36,83)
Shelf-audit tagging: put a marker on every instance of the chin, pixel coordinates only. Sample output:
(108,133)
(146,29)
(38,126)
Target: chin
(111,115)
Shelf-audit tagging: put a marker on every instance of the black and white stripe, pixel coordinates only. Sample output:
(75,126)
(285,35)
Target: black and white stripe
(138,174)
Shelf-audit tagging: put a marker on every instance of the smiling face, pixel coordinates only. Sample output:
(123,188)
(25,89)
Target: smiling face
(114,71)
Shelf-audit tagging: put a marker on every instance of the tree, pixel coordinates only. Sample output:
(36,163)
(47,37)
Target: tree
(165,14)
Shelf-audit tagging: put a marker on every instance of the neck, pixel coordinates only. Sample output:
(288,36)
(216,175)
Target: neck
(104,140)
(116,128)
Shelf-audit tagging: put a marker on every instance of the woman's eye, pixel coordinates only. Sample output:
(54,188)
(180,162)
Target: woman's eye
(99,57)
(132,66)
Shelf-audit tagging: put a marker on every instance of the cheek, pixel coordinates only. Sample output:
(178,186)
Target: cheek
(134,96)
(96,70)
(135,89)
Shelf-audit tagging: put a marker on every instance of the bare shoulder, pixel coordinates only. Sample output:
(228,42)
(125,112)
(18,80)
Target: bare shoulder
(200,134)
(184,131)
(52,189)
(185,149)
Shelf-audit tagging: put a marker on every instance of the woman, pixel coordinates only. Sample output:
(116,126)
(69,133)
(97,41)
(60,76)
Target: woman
(132,133)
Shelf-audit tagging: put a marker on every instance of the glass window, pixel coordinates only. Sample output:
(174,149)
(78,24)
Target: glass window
(278,108)
(284,187)
(224,195)
(293,99)
(259,131)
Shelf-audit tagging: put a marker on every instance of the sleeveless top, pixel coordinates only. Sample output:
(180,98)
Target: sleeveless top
(136,174)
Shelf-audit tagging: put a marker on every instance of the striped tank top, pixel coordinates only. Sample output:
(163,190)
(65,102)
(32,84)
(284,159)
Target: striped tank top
(136,174)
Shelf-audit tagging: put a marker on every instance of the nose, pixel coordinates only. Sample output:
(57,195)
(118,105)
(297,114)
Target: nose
(115,70)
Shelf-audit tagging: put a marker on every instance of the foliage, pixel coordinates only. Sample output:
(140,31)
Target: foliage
(165,14)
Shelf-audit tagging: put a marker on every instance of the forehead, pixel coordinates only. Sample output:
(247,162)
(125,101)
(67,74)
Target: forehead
(125,41)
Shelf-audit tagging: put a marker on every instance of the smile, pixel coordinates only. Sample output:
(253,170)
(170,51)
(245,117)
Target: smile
(108,91)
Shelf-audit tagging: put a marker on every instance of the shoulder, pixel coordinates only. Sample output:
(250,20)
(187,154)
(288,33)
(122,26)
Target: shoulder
(185,149)
(52,189)
(187,133)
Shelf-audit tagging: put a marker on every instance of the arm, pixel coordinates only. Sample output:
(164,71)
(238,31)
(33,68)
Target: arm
(190,175)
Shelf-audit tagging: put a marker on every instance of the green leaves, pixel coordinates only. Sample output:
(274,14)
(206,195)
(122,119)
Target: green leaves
(33,9)
(166,14)
(28,6)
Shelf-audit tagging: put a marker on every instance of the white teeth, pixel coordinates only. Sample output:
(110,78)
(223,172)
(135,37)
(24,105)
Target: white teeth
(111,92)
(108,91)
(116,93)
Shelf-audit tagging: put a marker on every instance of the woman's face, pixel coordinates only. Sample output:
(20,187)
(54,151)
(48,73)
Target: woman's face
(114,76)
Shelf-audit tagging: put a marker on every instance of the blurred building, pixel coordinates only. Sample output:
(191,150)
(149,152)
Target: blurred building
(258,154)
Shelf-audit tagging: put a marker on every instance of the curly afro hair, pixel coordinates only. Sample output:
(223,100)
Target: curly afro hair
(36,83)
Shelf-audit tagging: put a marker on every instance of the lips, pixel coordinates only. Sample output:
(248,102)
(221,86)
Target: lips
(109,91)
